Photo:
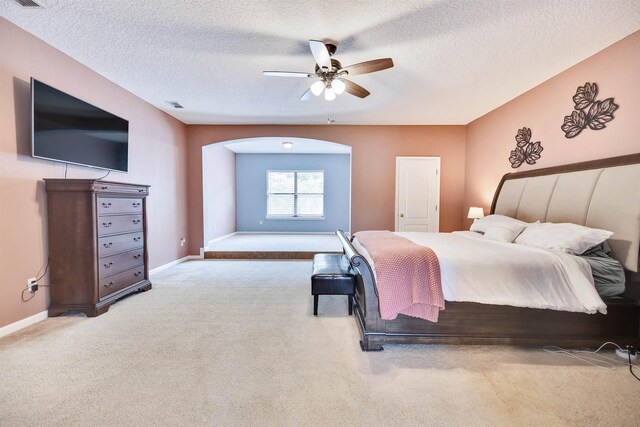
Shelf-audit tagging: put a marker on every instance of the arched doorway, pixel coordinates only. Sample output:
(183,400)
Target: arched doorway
(263,185)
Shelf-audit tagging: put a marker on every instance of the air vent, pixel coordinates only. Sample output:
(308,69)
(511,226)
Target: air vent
(174,104)
(29,3)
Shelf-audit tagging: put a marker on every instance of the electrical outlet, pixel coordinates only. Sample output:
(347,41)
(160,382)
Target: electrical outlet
(32,284)
(183,241)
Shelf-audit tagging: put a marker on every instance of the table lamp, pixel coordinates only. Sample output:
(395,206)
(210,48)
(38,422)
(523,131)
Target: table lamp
(475,213)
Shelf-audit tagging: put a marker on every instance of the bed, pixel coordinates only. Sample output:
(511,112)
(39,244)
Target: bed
(602,194)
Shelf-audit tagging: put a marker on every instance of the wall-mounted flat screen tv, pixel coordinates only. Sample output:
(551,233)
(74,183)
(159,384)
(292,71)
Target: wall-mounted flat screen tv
(68,130)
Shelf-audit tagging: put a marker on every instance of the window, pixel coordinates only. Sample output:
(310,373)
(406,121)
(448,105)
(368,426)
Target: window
(295,194)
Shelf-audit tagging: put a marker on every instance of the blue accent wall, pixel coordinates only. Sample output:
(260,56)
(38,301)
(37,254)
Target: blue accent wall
(251,191)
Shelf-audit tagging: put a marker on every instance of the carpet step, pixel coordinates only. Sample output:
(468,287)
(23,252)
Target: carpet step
(260,254)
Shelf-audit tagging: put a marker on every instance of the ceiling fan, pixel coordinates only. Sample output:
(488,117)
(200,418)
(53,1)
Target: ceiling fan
(332,74)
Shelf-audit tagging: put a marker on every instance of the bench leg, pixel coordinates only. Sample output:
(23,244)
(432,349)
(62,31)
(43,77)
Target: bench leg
(350,298)
(315,305)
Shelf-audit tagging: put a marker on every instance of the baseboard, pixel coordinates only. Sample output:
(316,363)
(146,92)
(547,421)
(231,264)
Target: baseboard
(172,263)
(285,232)
(21,324)
(223,237)
(216,240)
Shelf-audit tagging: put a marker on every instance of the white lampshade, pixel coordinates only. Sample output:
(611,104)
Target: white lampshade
(317,87)
(338,86)
(329,93)
(475,213)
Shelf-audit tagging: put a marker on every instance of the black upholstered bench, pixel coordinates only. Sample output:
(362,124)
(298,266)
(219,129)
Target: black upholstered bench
(332,275)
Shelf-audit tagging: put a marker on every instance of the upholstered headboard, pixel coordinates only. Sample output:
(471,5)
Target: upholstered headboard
(599,194)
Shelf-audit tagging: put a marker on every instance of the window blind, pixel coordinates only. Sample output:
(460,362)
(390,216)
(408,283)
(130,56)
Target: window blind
(295,194)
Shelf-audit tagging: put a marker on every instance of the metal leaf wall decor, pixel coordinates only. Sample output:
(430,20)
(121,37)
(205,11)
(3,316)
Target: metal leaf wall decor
(526,151)
(588,112)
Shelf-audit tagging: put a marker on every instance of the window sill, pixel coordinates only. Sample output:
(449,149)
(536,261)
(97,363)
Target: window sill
(295,218)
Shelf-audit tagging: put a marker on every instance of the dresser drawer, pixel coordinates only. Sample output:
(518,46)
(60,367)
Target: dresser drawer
(112,205)
(120,262)
(115,187)
(114,283)
(115,244)
(119,224)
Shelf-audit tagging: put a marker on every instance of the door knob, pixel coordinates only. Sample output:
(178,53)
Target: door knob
(401,215)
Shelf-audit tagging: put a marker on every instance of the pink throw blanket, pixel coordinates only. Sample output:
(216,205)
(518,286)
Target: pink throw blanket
(407,275)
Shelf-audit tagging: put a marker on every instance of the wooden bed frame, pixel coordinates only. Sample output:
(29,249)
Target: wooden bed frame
(473,323)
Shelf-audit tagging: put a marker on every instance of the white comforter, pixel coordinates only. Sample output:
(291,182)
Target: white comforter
(475,269)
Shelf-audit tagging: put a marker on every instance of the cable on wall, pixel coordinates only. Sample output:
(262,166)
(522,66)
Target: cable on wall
(38,278)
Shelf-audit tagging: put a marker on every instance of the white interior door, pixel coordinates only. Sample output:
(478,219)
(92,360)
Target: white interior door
(418,194)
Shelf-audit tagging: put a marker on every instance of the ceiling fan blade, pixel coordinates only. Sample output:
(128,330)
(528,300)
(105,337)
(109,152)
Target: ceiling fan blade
(320,54)
(369,66)
(287,74)
(355,89)
(307,95)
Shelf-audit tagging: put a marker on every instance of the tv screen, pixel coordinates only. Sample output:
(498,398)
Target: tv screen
(69,130)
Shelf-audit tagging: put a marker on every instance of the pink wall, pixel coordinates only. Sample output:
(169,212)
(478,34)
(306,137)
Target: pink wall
(373,169)
(157,156)
(474,157)
(491,137)
(219,191)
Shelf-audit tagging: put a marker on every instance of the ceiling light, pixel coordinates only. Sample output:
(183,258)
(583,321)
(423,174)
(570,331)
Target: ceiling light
(338,86)
(329,93)
(317,87)
(287,144)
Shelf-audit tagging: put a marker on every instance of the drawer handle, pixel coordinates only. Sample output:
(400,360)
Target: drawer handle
(140,190)
(104,187)
(137,256)
(107,245)
(137,274)
(106,205)
(106,224)
(136,239)
(108,265)
(108,285)
(136,221)
(136,204)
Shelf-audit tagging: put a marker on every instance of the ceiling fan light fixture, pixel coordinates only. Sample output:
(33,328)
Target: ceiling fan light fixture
(338,86)
(317,88)
(329,93)
(332,76)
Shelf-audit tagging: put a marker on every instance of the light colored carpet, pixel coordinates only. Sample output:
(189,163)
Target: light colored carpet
(278,242)
(235,343)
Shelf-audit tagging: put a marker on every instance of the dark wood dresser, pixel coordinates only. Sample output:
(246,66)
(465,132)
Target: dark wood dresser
(97,243)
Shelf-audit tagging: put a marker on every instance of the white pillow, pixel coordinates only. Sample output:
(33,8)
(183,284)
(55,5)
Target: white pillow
(503,233)
(482,224)
(565,237)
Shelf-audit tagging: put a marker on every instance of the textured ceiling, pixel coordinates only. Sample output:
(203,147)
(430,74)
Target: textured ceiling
(455,60)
